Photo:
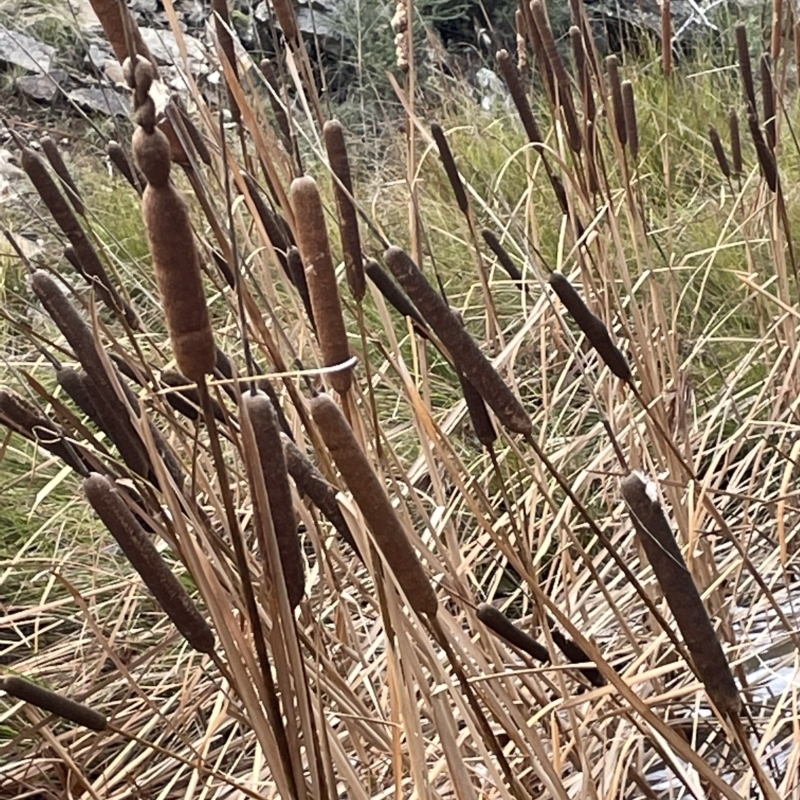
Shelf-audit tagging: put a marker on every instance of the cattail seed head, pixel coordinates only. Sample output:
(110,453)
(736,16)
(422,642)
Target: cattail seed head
(745,67)
(333,134)
(549,45)
(656,537)
(766,158)
(736,141)
(514,83)
(394,295)
(631,123)
(312,240)
(465,353)
(284,11)
(54,703)
(666,37)
(450,168)
(264,423)
(370,495)
(50,149)
(503,258)
(592,326)
(146,560)
(719,151)
(110,12)
(119,158)
(768,100)
(297,273)
(617,106)
(575,654)
(499,624)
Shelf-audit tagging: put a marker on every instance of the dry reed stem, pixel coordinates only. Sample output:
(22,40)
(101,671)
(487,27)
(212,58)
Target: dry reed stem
(64,215)
(312,240)
(768,100)
(592,326)
(450,168)
(394,295)
(745,67)
(719,151)
(264,423)
(333,134)
(656,537)
(310,481)
(631,124)
(499,624)
(54,703)
(110,12)
(466,354)
(766,158)
(175,258)
(50,149)
(370,495)
(112,411)
(146,560)
(736,141)
(617,105)
(128,170)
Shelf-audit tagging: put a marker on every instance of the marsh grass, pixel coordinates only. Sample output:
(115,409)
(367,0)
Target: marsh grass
(365,690)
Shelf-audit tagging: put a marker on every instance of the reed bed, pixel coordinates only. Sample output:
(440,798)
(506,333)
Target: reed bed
(427,514)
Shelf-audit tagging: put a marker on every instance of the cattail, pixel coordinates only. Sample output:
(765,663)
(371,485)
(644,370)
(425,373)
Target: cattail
(768,100)
(736,141)
(465,353)
(175,258)
(222,24)
(312,239)
(65,218)
(50,149)
(482,423)
(286,19)
(348,218)
(147,561)
(766,158)
(631,124)
(195,136)
(617,106)
(514,83)
(24,418)
(499,624)
(268,71)
(575,654)
(54,703)
(371,497)
(297,271)
(549,45)
(503,258)
(745,68)
(186,399)
(592,326)
(666,37)
(266,387)
(275,232)
(110,12)
(273,467)
(450,168)
(657,540)
(719,151)
(522,40)
(114,414)
(310,481)
(394,295)
(578,53)
(796,32)
(119,158)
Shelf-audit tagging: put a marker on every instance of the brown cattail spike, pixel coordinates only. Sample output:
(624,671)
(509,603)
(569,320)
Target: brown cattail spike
(333,134)
(766,158)
(371,497)
(465,353)
(617,106)
(393,294)
(719,151)
(222,24)
(264,423)
(592,326)
(768,100)
(680,591)
(666,37)
(745,67)
(482,423)
(450,168)
(736,141)
(110,13)
(175,258)
(312,239)
(50,149)
(147,561)
(503,258)
(297,273)
(54,703)
(513,81)
(499,624)
(631,123)
(127,169)
(575,654)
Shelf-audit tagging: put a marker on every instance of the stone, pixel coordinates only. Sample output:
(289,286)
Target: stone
(104,101)
(42,88)
(164,48)
(24,51)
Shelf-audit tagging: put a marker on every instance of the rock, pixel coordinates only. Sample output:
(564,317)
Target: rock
(24,51)
(165,49)
(99,54)
(42,88)
(105,101)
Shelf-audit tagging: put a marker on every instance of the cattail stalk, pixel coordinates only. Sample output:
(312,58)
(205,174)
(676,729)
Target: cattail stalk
(146,560)
(54,703)
(175,258)
(286,19)
(310,481)
(50,149)
(264,423)
(719,151)
(657,540)
(465,353)
(499,624)
(592,326)
(371,497)
(312,240)
(333,134)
